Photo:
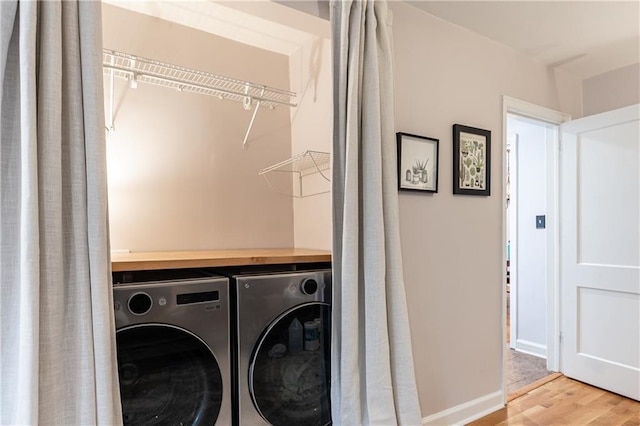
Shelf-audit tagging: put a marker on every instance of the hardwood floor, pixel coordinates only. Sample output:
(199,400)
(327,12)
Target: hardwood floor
(564,401)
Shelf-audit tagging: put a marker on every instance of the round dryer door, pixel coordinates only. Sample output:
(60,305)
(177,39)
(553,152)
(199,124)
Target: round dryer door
(168,376)
(289,372)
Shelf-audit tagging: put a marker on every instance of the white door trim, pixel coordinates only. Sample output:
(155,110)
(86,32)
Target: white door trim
(513,237)
(525,109)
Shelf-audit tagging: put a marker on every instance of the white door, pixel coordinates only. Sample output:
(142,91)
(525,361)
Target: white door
(600,250)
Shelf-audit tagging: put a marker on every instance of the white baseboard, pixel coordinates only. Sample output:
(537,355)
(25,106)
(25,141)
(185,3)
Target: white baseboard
(531,348)
(467,412)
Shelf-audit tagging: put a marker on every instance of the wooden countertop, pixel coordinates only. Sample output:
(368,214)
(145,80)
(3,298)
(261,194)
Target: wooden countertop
(213,258)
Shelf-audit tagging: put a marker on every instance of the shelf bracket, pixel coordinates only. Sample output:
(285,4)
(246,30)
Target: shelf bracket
(253,117)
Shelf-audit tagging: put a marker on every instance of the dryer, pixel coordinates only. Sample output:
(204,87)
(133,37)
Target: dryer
(283,348)
(172,331)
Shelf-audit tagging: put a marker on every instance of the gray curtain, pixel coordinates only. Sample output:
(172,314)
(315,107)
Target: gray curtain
(373,379)
(58,363)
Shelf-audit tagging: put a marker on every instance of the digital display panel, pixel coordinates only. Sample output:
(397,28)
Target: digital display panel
(206,296)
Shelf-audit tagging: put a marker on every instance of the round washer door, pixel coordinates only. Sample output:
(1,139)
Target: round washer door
(168,376)
(290,386)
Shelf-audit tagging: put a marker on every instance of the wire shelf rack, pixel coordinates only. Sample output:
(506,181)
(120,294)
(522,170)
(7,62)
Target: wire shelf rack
(304,164)
(137,69)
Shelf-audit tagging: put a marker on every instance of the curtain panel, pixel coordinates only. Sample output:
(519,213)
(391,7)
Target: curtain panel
(373,379)
(58,363)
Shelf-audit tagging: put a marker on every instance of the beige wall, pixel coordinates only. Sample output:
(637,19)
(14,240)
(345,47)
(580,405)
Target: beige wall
(311,129)
(452,245)
(612,90)
(178,176)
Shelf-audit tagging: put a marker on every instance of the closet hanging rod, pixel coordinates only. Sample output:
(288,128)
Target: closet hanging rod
(135,68)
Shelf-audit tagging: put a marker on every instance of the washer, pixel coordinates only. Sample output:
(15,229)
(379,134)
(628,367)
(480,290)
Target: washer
(283,348)
(172,331)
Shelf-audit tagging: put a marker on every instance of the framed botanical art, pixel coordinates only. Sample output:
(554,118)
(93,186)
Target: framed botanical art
(417,163)
(471,160)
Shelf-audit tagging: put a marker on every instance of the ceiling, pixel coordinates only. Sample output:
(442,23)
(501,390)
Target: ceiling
(585,38)
(260,23)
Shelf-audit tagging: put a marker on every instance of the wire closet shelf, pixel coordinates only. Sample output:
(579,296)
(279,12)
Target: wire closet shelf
(304,164)
(138,69)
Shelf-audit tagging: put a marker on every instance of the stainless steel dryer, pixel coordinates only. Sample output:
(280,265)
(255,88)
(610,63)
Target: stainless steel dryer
(173,347)
(283,356)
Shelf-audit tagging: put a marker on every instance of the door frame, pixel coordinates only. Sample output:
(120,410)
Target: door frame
(513,236)
(525,109)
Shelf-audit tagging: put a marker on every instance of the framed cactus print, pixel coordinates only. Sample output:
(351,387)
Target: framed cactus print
(417,163)
(471,160)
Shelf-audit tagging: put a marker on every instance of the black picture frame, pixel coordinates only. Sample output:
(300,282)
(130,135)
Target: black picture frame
(471,160)
(417,163)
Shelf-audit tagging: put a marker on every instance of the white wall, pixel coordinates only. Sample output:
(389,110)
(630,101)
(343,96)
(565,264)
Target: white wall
(178,176)
(452,245)
(311,129)
(531,250)
(612,90)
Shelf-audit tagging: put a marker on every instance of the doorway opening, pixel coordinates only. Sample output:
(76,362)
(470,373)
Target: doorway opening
(530,244)
(527,144)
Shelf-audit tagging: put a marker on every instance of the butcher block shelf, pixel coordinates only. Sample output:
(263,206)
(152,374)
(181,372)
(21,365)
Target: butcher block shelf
(142,261)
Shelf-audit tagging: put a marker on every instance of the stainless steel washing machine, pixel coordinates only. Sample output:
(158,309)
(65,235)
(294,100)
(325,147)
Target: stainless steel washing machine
(172,331)
(283,348)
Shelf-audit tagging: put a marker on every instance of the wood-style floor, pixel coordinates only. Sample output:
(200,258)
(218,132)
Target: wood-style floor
(564,401)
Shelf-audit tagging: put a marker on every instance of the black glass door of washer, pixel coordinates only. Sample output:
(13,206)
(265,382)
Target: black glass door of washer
(289,380)
(168,376)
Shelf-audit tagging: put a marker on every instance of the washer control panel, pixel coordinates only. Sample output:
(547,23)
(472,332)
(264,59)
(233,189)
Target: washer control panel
(154,301)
